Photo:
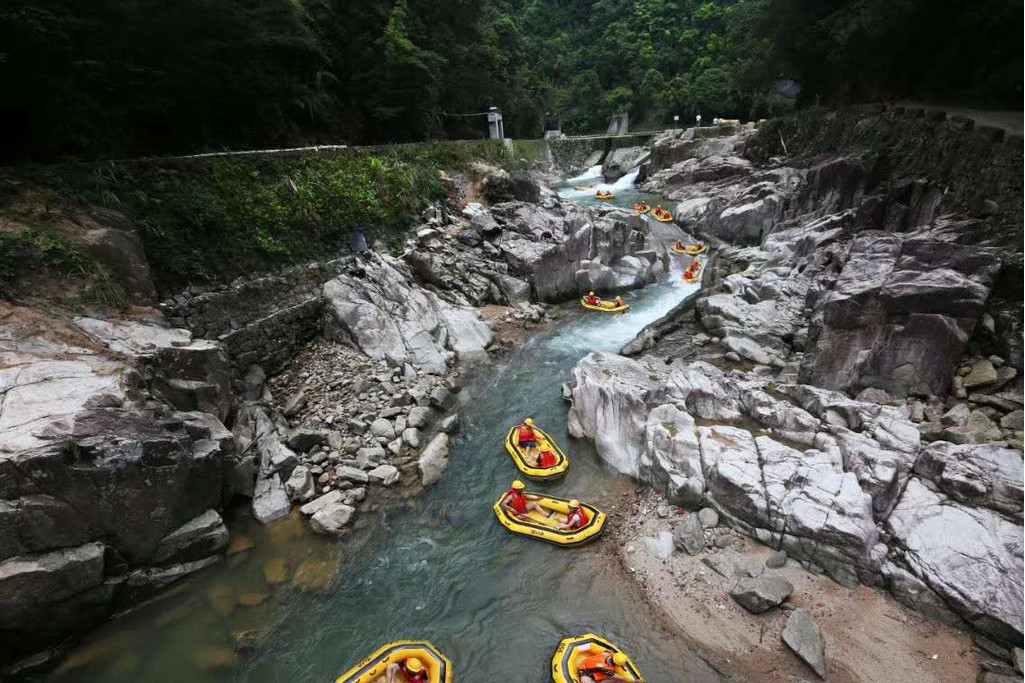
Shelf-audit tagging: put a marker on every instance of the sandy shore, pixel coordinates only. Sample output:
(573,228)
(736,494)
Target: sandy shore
(868,635)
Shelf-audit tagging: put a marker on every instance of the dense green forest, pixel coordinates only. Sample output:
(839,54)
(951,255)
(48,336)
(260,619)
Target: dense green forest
(110,78)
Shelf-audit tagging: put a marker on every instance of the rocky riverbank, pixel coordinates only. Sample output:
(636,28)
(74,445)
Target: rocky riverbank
(691,566)
(322,387)
(846,387)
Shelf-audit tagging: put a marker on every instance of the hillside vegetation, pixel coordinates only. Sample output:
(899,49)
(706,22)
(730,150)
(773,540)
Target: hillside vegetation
(121,78)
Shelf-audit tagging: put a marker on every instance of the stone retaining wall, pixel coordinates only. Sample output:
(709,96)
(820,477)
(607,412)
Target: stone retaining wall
(266,320)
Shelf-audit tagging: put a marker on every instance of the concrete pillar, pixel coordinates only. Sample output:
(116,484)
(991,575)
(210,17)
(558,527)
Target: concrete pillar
(496,131)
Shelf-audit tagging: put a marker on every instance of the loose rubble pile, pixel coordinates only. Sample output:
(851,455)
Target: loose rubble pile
(336,426)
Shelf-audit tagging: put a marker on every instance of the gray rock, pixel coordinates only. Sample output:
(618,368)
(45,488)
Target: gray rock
(689,535)
(982,373)
(777,559)
(332,518)
(357,427)
(304,439)
(441,397)
(709,518)
(1016,659)
(803,637)
(971,557)
(319,503)
(411,437)
(956,416)
(761,593)
(729,564)
(300,486)
(200,537)
(385,475)
(419,417)
(253,382)
(295,404)
(1014,421)
(449,424)
(434,459)
(270,500)
(353,474)
(383,428)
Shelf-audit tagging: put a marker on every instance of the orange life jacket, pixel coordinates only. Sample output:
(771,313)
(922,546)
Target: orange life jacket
(525,433)
(597,667)
(546,460)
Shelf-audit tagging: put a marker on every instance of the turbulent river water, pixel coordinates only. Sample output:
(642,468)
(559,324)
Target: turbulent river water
(438,568)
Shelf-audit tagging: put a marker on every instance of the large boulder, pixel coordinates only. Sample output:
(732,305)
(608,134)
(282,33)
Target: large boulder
(803,636)
(621,161)
(383,313)
(971,557)
(900,314)
(761,593)
(434,459)
(201,537)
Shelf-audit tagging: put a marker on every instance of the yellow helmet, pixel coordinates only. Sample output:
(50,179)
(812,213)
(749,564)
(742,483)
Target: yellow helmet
(529,422)
(590,294)
(574,503)
(517,485)
(414,665)
(619,658)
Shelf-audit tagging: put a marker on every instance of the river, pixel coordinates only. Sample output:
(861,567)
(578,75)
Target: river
(439,567)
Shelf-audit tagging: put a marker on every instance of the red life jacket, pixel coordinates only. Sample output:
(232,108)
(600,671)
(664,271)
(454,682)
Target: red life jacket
(546,460)
(577,519)
(525,433)
(518,502)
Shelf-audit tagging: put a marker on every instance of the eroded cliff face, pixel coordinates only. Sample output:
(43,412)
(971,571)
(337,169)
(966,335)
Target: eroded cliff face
(858,401)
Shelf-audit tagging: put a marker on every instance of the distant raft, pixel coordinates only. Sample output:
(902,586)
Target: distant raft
(642,208)
(543,528)
(661,215)
(605,306)
(604,195)
(690,249)
(572,651)
(374,667)
(583,188)
(692,274)
(544,443)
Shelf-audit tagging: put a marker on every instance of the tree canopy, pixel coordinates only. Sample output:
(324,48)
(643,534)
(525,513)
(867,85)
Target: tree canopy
(110,78)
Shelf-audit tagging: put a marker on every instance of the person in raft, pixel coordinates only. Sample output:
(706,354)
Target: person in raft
(545,460)
(411,669)
(519,504)
(602,667)
(692,269)
(619,303)
(576,518)
(527,439)
(591,299)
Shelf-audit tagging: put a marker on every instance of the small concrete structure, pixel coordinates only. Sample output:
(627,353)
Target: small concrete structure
(496,131)
(619,124)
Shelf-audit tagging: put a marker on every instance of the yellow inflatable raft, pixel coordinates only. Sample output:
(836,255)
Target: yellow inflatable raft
(691,249)
(692,276)
(373,668)
(606,306)
(572,651)
(603,195)
(583,188)
(544,443)
(543,528)
(662,216)
(641,209)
